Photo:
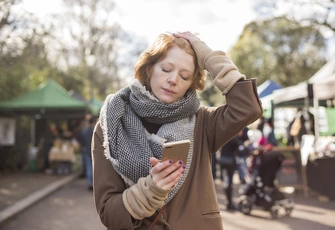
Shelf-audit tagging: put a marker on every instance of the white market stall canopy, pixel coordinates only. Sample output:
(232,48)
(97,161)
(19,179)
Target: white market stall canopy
(325,89)
(290,93)
(323,82)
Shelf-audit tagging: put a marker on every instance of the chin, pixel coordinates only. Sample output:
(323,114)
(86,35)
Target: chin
(167,101)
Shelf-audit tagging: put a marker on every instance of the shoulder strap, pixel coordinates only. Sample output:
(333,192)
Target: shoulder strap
(157,218)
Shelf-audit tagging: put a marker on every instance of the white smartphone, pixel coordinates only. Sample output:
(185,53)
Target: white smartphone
(176,150)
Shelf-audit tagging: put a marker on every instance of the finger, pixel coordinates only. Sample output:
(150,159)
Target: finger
(164,169)
(169,173)
(156,170)
(153,161)
(182,35)
(172,179)
(172,167)
(167,167)
(187,35)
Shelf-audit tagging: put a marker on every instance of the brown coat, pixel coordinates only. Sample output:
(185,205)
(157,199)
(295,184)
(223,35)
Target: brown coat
(195,206)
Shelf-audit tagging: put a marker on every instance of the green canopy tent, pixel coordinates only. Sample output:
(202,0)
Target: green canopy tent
(48,101)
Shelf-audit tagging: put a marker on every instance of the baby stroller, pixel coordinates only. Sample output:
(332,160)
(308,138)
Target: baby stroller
(261,191)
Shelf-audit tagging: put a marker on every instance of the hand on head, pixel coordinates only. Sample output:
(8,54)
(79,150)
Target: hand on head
(187,35)
(166,174)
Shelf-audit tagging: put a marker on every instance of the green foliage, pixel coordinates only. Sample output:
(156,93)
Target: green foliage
(211,96)
(74,78)
(280,50)
(21,74)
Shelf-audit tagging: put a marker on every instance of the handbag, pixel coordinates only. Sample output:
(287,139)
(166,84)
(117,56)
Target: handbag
(227,161)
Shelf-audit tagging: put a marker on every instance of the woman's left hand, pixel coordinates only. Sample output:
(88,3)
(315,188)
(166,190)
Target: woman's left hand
(187,35)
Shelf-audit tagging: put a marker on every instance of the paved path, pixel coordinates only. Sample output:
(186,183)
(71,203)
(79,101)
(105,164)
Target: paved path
(69,208)
(66,204)
(308,214)
(20,190)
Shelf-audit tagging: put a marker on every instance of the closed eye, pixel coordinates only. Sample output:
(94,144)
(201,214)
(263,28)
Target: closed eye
(165,70)
(184,78)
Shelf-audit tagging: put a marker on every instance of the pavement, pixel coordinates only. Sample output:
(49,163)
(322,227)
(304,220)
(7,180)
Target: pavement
(20,190)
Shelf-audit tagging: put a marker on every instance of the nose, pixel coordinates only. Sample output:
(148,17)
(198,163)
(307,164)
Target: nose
(173,77)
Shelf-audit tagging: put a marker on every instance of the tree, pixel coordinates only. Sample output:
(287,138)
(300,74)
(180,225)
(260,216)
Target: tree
(21,74)
(61,46)
(89,42)
(8,27)
(313,12)
(316,12)
(211,95)
(279,49)
(23,58)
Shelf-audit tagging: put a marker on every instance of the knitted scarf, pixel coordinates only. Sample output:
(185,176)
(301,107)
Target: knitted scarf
(127,143)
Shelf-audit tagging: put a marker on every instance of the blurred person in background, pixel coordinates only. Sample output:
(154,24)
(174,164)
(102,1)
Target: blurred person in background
(269,132)
(242,155)
(227,169)
(85,140)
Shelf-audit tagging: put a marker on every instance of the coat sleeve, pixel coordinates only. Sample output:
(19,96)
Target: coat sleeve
(242,103)
(116,203)
(220,67)
(108,188)
(242,108)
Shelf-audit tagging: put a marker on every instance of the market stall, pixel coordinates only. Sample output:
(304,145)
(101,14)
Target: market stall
(48,102)
(317,92)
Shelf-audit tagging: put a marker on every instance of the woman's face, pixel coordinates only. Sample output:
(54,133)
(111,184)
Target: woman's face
(171,77)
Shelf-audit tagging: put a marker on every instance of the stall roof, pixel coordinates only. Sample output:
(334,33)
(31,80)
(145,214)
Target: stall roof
(291,94)
(324,90)
(48,97)
(267,88)
(323,81)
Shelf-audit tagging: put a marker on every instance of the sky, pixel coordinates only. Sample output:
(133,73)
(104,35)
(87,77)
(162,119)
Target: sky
(219,23)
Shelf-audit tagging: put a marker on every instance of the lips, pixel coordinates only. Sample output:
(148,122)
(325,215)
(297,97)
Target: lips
(169,91)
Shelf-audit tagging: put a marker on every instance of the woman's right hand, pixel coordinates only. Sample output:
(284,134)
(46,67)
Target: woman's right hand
(166,174)
(187,35)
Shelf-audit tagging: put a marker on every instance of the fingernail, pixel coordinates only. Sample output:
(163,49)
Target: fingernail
(184,167)
(170,161)
(180,162)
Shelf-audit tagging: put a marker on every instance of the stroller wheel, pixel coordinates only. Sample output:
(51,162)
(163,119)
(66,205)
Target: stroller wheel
(288,211)
(289,207)
(245,206)
(274,211)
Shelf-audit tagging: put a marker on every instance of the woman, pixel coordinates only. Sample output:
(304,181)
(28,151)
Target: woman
(132,188)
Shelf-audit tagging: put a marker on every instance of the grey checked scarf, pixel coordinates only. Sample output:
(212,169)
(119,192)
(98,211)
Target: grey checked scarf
(127,143)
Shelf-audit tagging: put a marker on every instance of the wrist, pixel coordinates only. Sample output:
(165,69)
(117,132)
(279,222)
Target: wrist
(154,188)
(202,51)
